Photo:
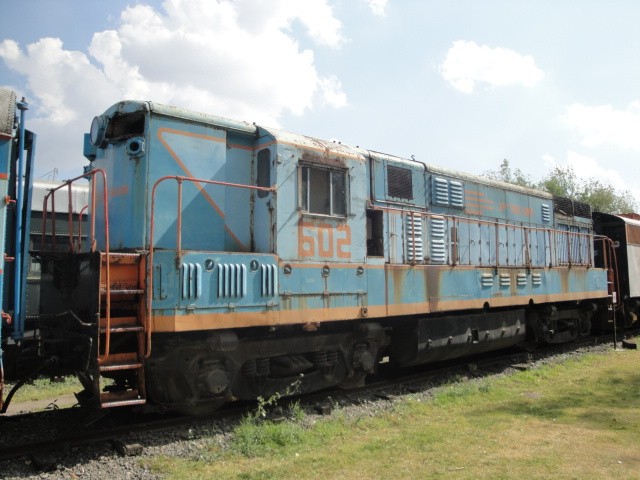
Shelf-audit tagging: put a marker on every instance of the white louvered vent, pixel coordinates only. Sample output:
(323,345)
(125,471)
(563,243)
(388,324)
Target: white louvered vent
(456,194)
(232,280)
(536,279)
(546,213)
(505,280)
(440,191)
(415,252)
(269,280)
(486,280)
(522,279)
(191,280)
(437,240)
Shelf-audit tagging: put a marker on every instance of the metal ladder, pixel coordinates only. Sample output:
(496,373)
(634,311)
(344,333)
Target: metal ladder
(121,332)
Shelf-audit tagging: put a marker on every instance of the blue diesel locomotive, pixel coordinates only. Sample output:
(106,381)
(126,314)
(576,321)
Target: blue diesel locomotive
(227,260)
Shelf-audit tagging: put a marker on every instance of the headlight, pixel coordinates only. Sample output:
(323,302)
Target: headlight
(98,128)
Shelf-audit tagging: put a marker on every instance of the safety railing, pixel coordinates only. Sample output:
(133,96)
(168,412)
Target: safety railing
(451,239)
(76,245)
(180,180)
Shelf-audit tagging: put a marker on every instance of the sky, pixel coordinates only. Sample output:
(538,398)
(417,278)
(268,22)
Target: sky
(461,84)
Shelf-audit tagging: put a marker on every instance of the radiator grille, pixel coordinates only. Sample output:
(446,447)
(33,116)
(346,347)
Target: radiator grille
(399,182)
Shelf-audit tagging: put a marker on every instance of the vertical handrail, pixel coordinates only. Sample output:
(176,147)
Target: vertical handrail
(80,226)
(105,206)
(180,180)
(179,219)
(70,218)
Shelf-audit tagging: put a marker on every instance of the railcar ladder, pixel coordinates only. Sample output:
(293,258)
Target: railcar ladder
(122,336)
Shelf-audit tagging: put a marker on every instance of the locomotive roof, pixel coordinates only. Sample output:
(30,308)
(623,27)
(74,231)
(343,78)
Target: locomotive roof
(311,143)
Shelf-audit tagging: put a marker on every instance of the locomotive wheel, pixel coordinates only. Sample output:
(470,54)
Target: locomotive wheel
(354,381)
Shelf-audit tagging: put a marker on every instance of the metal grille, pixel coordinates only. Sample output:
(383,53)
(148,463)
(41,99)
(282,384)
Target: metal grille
(269,280)
(571,208)
(400,183)
(486,280)
(191,280)
(414,238)
(581,209)
(232,280)
(546,213)
(563,206)
(440,194)
(437,240)
(456,194)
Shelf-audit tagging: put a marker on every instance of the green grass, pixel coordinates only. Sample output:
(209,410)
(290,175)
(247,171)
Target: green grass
(43,389)
(578,419)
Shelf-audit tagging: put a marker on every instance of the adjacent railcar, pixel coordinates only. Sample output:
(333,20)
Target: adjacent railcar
(17,149)
(624,231)
(230,260)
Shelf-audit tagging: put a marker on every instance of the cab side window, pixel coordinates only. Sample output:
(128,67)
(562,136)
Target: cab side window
(323,191)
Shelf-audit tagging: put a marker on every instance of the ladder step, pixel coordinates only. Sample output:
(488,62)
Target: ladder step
(121,291)
(118,359)
(112,367)
(118,321)
(120,399)
(123,329)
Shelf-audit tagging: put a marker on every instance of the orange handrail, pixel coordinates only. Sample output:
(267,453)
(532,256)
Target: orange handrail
(45,209)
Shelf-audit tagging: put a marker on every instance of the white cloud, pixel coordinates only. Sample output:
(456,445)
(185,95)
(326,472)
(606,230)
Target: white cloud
(603,125)
(378,7)
(332,92)
(468,64)
(235,58)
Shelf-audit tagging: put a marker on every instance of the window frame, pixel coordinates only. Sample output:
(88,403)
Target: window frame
(303,186)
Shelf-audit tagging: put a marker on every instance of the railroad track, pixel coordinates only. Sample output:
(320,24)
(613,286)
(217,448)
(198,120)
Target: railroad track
(73,427)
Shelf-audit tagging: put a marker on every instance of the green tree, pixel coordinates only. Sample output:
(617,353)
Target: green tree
(508,175)
(563,182)
(603,197)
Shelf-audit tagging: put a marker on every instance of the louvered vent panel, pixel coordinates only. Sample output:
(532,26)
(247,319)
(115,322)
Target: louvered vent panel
(546,213)
(522,279)
(440,191)
(505,280)
(415,251)
(191,280)
(437,240)
(456,194)
(486,280)
(536,279)
(232,280)
(269,280)
(400,184)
